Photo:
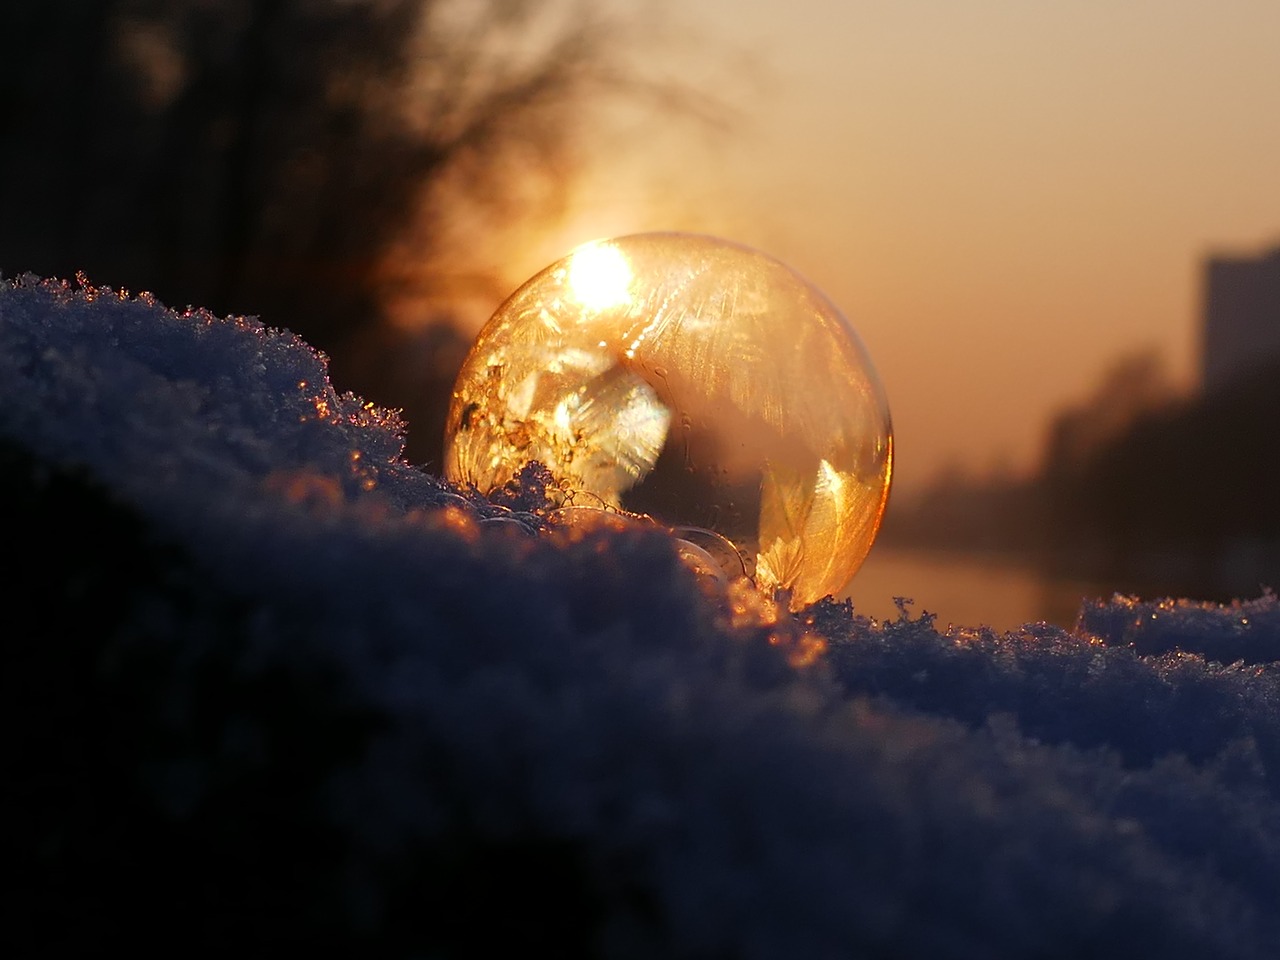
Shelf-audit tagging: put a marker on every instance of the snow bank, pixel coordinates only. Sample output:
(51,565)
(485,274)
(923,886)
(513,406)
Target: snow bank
(266,685)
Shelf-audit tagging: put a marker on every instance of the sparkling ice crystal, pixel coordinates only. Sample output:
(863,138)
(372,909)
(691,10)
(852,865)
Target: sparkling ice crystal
(695,381)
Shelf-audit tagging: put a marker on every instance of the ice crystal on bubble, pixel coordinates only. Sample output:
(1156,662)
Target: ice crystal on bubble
(697,382)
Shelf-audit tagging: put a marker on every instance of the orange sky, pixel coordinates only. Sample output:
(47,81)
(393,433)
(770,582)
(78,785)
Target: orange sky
(1002,195)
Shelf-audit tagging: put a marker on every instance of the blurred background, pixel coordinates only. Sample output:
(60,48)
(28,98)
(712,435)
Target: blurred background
(1055,226)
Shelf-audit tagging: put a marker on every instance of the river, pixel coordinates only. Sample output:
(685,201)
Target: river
(966,589)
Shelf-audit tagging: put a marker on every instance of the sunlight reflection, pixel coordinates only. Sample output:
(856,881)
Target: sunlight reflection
(599,276)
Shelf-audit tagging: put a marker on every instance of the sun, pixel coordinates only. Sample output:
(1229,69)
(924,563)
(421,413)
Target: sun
(599,276)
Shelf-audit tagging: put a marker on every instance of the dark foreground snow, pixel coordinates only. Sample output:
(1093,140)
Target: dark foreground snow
(268,687)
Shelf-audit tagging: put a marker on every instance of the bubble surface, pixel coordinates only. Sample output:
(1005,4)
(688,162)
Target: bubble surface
(693,380)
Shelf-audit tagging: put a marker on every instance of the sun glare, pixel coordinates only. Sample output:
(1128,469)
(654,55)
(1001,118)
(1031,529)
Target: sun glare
(599,276)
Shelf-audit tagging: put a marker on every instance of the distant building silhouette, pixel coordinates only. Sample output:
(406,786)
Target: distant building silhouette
(1241,316)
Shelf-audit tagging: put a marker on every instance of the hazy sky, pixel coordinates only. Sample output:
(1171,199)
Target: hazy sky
(1002,195)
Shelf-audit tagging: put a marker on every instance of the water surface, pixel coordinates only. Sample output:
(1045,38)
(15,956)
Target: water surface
(967,589)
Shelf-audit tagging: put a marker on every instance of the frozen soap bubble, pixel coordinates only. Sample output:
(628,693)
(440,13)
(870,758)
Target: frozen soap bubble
(696,381)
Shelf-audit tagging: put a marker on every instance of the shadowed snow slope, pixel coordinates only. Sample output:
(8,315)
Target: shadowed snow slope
(268,686)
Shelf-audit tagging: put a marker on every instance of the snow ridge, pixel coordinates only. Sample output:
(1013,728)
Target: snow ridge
(319,701)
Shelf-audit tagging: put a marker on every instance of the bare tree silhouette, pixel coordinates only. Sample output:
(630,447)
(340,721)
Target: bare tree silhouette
(266,156)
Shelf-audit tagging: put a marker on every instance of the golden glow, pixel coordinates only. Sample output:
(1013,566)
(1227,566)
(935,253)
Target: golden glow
(749,608)
(728,400)
(305,487)
(599,276)
(829,480)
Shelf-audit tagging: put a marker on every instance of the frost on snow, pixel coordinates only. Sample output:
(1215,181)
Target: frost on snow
(268,685)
